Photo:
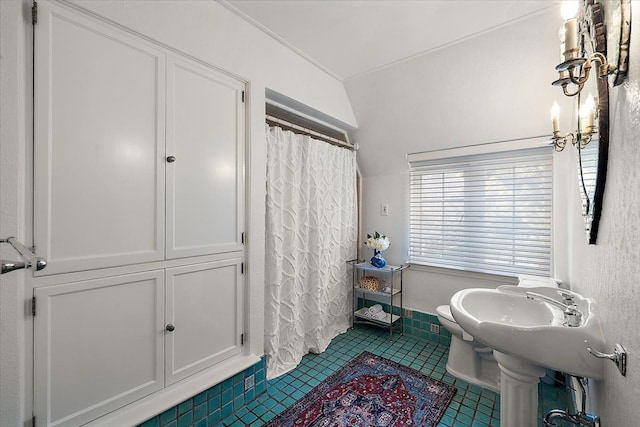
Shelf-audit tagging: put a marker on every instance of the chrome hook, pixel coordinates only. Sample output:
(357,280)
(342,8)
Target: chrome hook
(32,262)
(619,356)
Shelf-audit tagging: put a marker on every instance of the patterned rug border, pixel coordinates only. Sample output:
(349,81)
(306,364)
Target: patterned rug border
(334,379)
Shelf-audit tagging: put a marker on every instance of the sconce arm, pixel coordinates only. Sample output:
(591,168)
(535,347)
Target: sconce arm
(604,68)
(584,75)
(560,142)
(578,90)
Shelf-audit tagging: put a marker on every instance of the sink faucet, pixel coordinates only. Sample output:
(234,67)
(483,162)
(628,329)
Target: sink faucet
(571,314)
(567,298)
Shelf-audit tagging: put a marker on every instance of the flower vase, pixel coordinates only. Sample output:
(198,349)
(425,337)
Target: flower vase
(377,260)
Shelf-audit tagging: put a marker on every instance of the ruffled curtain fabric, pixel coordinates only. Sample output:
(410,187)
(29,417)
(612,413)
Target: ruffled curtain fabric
(310,234)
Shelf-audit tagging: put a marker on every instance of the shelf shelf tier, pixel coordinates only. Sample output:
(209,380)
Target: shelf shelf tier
(388,320)
(395,291)
(385,269)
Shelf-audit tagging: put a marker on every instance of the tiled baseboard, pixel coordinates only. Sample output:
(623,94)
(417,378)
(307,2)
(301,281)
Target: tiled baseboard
(210,406)
(417,323)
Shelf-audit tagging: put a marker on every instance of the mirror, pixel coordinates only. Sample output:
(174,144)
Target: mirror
(592,158)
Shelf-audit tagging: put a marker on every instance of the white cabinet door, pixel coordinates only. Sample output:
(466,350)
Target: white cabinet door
(106,195)
(98,345)
(204,304)
(205,135)
(99,144)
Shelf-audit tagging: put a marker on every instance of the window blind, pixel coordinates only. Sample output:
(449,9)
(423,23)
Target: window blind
(489,213)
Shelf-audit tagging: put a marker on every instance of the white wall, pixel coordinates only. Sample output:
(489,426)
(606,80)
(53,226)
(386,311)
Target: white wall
(203,29)
(14,131)
(493,87)
(609,271)
(490,88)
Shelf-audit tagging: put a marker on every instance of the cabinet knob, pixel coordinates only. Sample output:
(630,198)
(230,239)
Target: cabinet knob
(170,327)
(171,159)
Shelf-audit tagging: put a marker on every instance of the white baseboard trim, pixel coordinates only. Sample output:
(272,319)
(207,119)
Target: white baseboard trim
(154,404)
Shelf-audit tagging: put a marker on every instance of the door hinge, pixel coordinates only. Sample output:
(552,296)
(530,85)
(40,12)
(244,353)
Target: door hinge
(242,268)
(34,13)
(242,96)
(242,238)
(241,339)
(33,306)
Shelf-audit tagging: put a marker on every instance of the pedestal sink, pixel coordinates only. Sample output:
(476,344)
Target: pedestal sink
(529,334)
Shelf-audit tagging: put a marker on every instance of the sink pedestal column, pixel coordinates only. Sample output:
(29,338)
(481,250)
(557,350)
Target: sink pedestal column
(518,391)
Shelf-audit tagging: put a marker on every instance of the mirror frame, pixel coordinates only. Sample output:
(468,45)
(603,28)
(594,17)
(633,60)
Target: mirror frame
(595,34)
(593,38)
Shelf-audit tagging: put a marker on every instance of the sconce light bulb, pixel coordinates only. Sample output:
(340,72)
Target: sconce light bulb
(555,118)
(587,115)
(555,110)
(569,9)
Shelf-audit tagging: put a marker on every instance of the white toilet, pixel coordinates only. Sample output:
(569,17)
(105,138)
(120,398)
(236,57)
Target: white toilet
(470,360)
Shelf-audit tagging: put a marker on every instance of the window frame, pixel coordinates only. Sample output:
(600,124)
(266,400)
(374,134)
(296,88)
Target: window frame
(422,164)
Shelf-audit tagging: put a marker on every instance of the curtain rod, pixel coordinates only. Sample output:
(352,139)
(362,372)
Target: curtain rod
(307,116)
(482,148)
(326,138)
(526,138)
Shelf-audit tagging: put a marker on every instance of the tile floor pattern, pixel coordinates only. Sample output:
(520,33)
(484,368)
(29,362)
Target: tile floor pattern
(472,406)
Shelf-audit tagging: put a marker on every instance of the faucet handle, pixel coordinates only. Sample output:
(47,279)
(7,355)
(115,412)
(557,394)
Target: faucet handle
(567,298)
(572,316)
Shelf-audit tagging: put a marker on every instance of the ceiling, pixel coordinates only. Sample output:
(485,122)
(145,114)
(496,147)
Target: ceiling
(348,38)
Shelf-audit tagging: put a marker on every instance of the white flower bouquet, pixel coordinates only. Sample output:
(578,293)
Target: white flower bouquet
(378,242)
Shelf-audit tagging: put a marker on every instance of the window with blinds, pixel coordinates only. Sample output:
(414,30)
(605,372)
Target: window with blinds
(489,213)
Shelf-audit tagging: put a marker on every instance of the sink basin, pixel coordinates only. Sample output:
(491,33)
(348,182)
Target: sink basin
(530,329)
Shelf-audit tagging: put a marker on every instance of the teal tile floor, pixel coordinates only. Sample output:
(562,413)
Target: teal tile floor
(472,406)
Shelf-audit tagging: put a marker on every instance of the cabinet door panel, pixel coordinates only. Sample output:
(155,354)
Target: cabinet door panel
(205,133)
(99,144)
(204,303)
(98,345)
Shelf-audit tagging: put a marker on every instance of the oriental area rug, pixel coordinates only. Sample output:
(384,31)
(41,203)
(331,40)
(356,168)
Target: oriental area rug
(370,391)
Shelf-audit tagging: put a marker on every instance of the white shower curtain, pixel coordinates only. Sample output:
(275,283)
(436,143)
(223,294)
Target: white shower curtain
(310,234)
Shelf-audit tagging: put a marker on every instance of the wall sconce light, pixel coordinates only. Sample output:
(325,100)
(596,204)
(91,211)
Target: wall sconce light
(581,137)
(583,38)
(595,33)
(574,68)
